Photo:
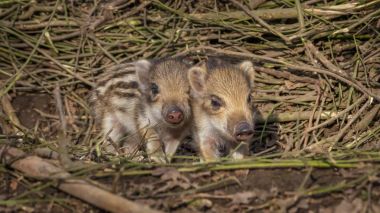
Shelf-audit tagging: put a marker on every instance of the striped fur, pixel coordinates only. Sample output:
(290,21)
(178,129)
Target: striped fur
(114,100)
(221,104)
(131,117)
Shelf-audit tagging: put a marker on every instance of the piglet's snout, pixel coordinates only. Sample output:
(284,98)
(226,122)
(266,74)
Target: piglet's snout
(173,115)
(243,131)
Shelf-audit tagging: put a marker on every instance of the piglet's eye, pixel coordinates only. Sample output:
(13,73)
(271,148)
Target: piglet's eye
(154,89)
(249,98)
(216,102)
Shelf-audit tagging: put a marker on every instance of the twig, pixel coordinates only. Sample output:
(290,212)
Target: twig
(32,166)
(63,138)
(266,14)
(11,114)
(300,16)
(364,19)
(343,131)
(38,8)
(37,26)
(253,4)
(260,21)
(329,121)
(323,59)
(365,121)
(286,75)
(8,11)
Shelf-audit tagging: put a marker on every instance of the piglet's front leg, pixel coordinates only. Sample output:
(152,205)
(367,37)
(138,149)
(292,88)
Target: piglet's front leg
(171,146)
(172,139)
(131,146)
(153,145)
(209,148)
(113,132)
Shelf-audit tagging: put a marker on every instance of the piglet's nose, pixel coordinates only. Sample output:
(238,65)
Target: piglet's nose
(243,131)
(174,115)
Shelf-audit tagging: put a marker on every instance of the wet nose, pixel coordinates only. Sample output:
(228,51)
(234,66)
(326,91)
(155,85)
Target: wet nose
(174,115)
(243,131)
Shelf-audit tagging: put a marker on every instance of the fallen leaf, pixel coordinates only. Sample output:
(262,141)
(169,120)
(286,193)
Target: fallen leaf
(201,204)
(354,206)
(169,174)
(14,184)
(171,178)
(201,174)
(242,173)
(242,197)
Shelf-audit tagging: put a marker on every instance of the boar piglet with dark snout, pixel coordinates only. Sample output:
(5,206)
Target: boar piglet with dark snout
(222,108)
(145,101)
(164,112)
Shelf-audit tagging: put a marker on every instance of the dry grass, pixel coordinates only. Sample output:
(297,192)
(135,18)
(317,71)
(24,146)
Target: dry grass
(317,87)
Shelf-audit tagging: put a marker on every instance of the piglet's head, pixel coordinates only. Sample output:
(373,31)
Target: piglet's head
(223,93)
(165,88)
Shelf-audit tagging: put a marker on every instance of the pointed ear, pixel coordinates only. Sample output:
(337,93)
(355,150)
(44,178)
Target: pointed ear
(197,79)
(143,68)
(248,69)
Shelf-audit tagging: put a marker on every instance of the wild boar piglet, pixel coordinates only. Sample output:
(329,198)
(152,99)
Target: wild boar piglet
(222,108)
(146,101)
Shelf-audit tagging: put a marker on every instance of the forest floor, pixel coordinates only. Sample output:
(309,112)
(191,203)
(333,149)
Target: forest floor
(317,94)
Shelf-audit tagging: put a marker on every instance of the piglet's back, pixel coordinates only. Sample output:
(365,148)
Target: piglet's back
(116,90)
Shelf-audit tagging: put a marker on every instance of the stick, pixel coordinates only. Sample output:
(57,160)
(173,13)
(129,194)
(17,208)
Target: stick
(260,21)
(37,167)
(11,113)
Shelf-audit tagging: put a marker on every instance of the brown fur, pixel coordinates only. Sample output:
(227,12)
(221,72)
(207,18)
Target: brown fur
(230,85)
(162,138)
(125,105)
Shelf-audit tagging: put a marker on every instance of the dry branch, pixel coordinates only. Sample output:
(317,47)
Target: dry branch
(260,21)
(35,167)
(293,116)
(11,114)
(266,14)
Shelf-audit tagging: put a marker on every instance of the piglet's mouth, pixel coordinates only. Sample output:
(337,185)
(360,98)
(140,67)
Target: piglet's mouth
(233,138)
(243,131)
(244,136)
(175,125)
(178,125)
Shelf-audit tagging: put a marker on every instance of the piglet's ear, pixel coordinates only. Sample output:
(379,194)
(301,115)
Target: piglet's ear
(143,68)
(197,79)
(248,69)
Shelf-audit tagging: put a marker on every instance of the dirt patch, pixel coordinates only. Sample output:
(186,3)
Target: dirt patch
(281,180)
(260,188)
(171,191)
(26,106)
